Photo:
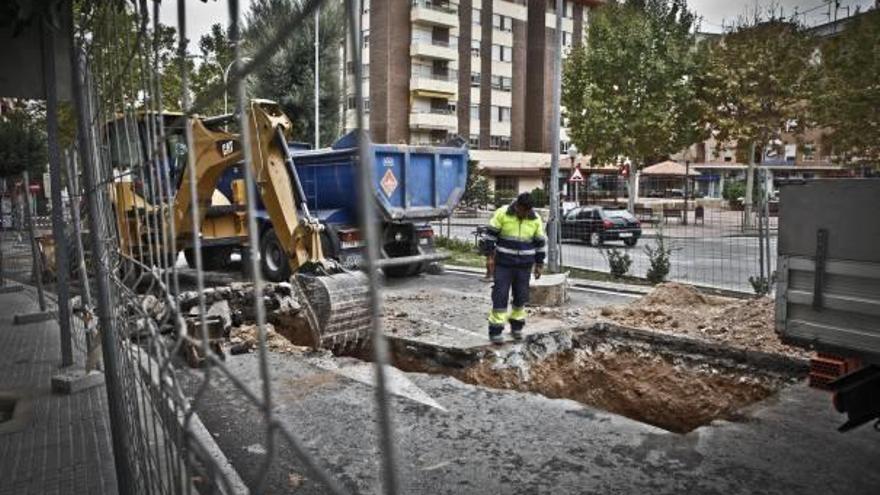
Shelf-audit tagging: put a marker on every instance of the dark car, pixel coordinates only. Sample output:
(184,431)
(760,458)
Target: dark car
(596,225)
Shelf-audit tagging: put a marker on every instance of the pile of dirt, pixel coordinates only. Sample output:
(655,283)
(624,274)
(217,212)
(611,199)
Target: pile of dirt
(246,338)
(679,309)
(641,385)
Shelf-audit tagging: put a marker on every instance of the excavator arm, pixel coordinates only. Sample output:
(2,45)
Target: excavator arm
(334,300)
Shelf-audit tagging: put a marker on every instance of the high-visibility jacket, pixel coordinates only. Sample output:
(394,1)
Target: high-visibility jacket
(515,241)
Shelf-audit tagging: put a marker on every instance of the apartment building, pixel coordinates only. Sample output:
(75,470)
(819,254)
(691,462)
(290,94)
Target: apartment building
(479,69)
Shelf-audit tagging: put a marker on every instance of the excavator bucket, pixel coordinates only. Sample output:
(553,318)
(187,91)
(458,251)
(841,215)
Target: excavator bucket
(337,309)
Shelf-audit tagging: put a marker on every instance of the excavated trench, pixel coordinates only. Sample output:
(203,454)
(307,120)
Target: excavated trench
(673,382)
(668,386)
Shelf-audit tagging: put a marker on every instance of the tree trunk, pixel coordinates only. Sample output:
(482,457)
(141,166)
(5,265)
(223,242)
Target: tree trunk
(750,182)
(633,189)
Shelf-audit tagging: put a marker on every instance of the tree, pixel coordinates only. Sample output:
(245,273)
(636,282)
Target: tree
(847,96)
(23,143)
(217,52)
(628,91)
(476,191)
(754,83)
(289,78)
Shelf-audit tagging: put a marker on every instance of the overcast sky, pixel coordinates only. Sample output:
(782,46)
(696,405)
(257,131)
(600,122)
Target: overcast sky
(201,15)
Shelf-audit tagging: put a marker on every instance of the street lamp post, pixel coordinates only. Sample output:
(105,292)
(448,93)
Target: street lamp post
(572,154)
(225,74)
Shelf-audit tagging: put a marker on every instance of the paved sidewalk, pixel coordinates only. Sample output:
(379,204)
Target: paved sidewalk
(54,444)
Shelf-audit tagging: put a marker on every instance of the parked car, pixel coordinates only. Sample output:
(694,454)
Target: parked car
(595,225)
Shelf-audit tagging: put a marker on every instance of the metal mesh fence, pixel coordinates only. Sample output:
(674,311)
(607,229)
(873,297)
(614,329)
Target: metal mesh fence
(122,263)
(710,241)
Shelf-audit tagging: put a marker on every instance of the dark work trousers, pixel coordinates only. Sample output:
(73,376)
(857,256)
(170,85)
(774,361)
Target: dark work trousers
(509,278)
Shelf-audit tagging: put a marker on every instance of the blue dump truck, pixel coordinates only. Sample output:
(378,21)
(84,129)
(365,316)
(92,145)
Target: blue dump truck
(413,185)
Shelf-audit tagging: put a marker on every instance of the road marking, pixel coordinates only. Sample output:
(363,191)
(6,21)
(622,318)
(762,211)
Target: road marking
(397,381)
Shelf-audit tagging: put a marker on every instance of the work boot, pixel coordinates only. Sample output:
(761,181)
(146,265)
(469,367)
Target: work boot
(496,338)
(516,329)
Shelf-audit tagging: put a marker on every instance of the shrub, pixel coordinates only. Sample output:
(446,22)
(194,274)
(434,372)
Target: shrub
(619,261)
(659,259)
(453,244)
(734,190)
(761,285)
(539,197)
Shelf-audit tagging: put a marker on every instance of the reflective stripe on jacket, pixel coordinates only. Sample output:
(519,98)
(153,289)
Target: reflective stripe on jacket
(516,242)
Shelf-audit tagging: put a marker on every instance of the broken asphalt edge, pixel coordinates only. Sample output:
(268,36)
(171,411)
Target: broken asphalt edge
(577,283)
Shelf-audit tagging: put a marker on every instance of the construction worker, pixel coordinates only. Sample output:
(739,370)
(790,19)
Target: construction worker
(515,244)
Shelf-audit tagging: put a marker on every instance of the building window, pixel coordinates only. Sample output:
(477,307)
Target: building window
(350,104)
(502,83)
(566,38)
(499,142)
(366,37)
(475,48)
(476,16)
(563,147)
(501,114)
(502,22)
(506,184)
(475,112)
(474,141)
(502,53)
(475,79)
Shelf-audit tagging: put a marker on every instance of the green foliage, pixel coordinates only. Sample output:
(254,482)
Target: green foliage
(539,197)
(619,261)
(761,285)
(290,78)
(454,244)
(217,52)
(659,257)
(628,90)
(477,192)
(847,96)
(734,190)
(753,81)
(23,142)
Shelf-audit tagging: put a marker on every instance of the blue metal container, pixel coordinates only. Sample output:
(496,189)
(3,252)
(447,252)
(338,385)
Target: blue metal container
(411,183)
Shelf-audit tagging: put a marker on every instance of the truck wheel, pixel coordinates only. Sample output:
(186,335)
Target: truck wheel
(273,259)
(595,239)
(213,258)
(631,241)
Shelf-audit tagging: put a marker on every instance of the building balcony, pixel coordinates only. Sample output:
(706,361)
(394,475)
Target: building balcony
(427,83)
(431,48)
(434,13)
(433,120)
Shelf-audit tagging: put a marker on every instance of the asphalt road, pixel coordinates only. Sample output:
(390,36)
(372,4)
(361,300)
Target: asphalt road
(495,441)
(455,438)
(725,262)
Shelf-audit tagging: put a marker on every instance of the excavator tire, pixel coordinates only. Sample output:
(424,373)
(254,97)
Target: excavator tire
(337,309)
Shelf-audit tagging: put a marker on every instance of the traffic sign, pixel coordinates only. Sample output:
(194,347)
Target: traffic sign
(576,176)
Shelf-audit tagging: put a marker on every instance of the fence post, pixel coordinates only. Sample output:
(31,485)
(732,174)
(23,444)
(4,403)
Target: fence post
(118,423)
(62,272)
(36,264)
(76,220)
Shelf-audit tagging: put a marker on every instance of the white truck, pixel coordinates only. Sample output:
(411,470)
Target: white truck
(828,287)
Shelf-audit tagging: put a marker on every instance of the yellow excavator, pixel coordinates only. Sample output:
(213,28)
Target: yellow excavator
(334,299)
